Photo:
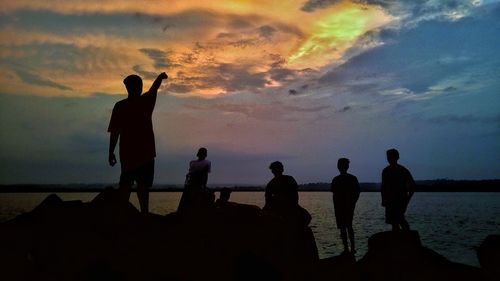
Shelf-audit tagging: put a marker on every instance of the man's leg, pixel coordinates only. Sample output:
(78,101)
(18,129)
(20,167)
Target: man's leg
(143,196)
(351,239)
(392,217)
(401,217)
(125,188)
(144,182)
(404,225)
(343,235)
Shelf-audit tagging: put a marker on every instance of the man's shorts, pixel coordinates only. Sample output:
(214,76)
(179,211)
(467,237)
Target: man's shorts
(395,213)
(143,175)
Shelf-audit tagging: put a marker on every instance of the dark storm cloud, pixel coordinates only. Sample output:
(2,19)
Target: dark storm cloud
(266,31)
(300,90)
(282,74)
(150,75)
(34,79)
(230,77)
(252,37)
(345,108)
(180,88)
(189,23)
(235,77)
(312,5)
(159,57)
(68,58)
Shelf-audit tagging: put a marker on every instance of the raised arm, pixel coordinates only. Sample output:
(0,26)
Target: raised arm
(157,83)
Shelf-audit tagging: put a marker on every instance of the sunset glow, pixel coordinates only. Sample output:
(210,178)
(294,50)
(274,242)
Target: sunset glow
(190,39)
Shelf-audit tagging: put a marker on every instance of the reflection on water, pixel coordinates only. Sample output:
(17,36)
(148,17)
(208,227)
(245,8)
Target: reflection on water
(452,224)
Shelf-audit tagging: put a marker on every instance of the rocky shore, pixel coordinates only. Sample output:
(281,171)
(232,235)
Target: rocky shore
(105,240)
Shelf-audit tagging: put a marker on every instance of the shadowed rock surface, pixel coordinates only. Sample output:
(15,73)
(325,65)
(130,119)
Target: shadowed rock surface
(489,257)
(105,240)
(401,256)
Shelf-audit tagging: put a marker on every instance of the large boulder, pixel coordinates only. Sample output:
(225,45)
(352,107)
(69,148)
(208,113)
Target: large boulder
(401,256)
(107,240)
(488,254)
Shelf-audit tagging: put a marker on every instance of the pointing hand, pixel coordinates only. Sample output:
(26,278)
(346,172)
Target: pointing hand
(163,75)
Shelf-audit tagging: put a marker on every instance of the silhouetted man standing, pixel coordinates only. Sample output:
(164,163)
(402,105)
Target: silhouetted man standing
(397,189)
(131,123)
(345,188)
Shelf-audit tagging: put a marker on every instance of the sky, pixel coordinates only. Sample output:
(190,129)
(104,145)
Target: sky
(303,82)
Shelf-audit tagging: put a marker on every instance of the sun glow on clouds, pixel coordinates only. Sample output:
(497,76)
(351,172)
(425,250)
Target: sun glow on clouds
(335,31)
(208,47)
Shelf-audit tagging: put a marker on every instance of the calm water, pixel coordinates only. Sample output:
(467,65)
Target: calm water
(453,224)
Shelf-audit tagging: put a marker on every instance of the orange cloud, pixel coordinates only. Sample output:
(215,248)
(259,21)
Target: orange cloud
(208,47)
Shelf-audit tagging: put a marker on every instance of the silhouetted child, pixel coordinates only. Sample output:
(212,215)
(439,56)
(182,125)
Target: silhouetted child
(282,197)
(397,189)
(224,196)
(345,189)
(282,190)
(196,182)
(131,123)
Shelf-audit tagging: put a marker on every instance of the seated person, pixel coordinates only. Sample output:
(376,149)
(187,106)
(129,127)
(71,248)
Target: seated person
(195,193)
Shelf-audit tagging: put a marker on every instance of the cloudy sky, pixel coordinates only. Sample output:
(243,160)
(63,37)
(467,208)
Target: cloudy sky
(254,81)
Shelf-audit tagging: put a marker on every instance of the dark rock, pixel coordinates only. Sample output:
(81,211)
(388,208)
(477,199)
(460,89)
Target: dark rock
(107,240)
(400,256)
(488,254)
(342,267)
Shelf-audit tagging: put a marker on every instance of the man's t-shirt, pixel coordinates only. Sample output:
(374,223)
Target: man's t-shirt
(397,182)
(198,173)
(283,188)
(345,190)
(197,166)
(131,118)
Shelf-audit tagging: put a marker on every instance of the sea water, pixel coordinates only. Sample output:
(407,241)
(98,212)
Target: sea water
(451,223)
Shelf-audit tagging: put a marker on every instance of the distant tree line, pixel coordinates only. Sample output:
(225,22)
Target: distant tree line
(438,185)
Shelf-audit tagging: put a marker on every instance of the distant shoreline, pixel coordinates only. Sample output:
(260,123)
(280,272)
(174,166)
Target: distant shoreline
(442,185)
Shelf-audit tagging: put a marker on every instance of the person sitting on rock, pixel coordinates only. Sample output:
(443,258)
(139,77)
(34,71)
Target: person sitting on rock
(397,189)
(199,169)
(195,185)
(282,190)
(345,189)
(282,197)
(223,200)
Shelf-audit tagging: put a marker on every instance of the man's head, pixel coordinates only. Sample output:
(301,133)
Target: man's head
(225,194)
(133,83)
(343,165)
(277,168)
(392,156)
(202,153)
